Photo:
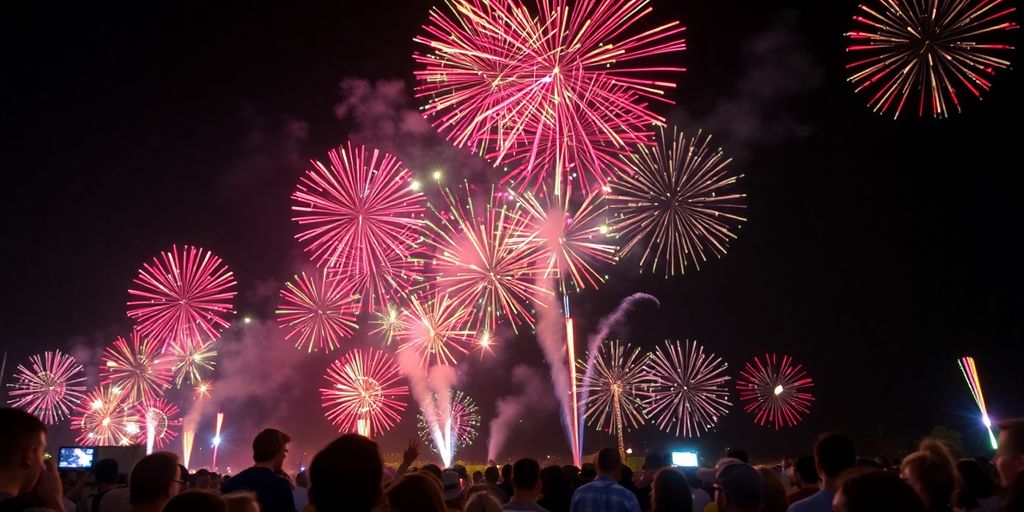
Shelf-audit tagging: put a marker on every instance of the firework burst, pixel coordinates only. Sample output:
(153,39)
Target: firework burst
(928,49)
(136,368)
(775,390)
(191,361)
(104,418)
(689,394)
(436,330)
(318,311)
(363,393)
(571,239)
(360,215)
(615,389)
(159,415)
(485,261)
(49,387)
(389,324)
(562,92)
(679,203)
(182,296)
(463,420)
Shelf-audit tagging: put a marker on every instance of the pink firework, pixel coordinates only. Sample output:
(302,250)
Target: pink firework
(105,418)
(136,368)
(363,393)
(485,259)
(360,215)
(182,296)
(560,90)
(160,417)
(571,237)
(317,312)
(436,330)
(775,390)
(49,387)
(689,394)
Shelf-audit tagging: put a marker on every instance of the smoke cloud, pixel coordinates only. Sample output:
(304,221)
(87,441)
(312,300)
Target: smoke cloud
(778,70)
(550,329)
(380,116)
(534,399)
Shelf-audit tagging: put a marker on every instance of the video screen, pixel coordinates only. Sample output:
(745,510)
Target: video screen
(685,459)
(76,457)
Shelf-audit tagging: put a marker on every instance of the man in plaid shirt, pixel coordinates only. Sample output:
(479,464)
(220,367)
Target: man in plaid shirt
(605,494)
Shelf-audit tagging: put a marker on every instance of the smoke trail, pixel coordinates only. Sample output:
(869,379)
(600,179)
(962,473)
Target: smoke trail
(534,397)
(427,390)
(550,325)
(442,378)
(603,327)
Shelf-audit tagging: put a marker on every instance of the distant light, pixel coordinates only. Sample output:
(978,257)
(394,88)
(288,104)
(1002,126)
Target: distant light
(629,451)
(216,440)
(414,185)
(778,390)
(603,228)
(437,175)
(247,320)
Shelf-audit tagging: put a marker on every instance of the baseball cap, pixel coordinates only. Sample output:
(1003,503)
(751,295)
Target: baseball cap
(741,483)
(452,484)
(710,475)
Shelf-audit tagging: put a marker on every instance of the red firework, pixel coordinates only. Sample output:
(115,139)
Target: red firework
(928,48)
(486,261)
(775,390)
(363,393)
(561,91)
(360,215)
(436,330)
(161,416)
(317,311)
(182,296)
(137,368)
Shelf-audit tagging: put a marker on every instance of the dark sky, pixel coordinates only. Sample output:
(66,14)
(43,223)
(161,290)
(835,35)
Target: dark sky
(877,251)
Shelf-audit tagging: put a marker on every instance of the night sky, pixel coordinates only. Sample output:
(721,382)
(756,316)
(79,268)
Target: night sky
(877,251)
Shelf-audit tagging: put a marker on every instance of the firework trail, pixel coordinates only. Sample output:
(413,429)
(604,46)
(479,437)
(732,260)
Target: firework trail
(463,420)
(970,371)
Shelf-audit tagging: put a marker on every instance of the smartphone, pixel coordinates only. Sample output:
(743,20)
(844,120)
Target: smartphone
(685,459)
(79,457)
